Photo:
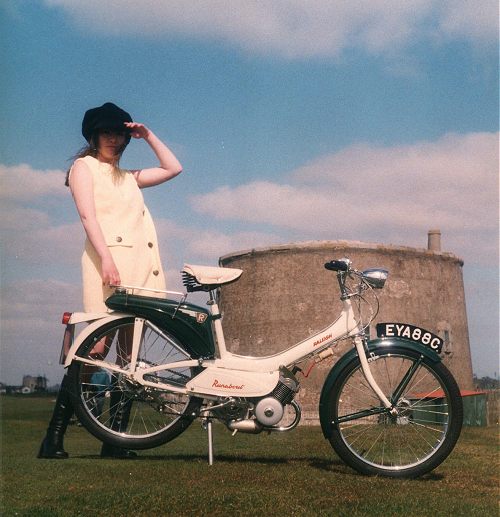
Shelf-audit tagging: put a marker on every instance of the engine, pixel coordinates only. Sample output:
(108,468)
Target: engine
(269,410)
(254,416)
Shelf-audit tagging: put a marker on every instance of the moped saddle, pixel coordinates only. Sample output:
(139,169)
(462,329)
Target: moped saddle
(206,277)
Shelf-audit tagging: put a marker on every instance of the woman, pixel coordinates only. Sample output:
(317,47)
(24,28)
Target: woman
(121,245)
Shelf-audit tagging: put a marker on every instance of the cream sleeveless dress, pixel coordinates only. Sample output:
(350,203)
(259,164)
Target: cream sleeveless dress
(129,233)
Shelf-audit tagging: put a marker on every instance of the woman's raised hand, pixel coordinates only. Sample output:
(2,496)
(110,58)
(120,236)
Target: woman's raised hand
(137,130)
(169,165)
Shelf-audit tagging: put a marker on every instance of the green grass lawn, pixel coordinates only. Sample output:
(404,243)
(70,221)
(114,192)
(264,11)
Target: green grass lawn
(295,473)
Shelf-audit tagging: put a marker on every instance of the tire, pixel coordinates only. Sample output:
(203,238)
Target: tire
(119,411)
(413,441)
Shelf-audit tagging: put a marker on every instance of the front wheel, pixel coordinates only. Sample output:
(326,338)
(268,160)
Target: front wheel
(410,439)
(120,411)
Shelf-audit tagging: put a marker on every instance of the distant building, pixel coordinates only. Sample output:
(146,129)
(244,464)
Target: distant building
(34,384)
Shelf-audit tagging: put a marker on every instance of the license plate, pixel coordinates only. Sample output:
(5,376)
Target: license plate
(406,331)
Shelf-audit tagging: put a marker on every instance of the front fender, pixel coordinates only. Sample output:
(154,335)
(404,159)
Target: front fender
(373,345)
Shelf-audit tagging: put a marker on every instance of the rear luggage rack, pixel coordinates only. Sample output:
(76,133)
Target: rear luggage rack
(131,289)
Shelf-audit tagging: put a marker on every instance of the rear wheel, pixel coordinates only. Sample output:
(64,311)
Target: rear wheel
(412,439)
(120,411)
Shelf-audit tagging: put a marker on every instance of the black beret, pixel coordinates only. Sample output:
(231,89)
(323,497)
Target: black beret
(107,116)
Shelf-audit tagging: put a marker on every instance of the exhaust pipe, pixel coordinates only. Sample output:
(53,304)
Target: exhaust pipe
(245,426)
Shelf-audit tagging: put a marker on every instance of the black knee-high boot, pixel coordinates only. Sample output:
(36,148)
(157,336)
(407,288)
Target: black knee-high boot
(52,445)
(119,414)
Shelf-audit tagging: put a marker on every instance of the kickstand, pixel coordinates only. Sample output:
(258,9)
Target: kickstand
(207,424)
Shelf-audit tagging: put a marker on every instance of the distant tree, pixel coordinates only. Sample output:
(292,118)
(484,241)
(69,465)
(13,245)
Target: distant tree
(486,383)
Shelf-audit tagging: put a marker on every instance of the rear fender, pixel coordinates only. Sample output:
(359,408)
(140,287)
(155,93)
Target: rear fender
(95,321)
(189,323)
(374,346)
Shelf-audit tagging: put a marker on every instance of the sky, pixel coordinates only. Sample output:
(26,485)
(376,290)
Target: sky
(295,120)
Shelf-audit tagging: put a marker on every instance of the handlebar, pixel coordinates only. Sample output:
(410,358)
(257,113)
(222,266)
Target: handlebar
(373,278)
(338,265)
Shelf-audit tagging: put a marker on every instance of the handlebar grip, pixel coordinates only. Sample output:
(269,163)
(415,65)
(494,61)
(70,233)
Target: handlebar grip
(337,265)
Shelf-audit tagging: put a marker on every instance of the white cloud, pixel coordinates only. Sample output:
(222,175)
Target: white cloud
(18,219)
(392,194)
(25,224)
(292,28)
(31,327)
(213,244)
(181,244)
(27,296)
(477,21)
(22,182)
(33,240)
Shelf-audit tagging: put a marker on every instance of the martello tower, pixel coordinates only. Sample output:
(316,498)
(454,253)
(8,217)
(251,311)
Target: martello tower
(285,294)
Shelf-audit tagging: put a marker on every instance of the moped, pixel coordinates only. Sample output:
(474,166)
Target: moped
(142,372)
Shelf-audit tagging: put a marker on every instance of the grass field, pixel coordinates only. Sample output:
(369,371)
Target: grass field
(290,474)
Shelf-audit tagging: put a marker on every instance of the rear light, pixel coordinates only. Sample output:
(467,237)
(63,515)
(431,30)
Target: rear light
(69,336)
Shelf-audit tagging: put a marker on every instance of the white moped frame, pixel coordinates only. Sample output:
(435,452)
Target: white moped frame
(229,375)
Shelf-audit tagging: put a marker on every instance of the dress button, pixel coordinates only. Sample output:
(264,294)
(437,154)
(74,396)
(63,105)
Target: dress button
(156,272)
(150,244)
(119,239)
